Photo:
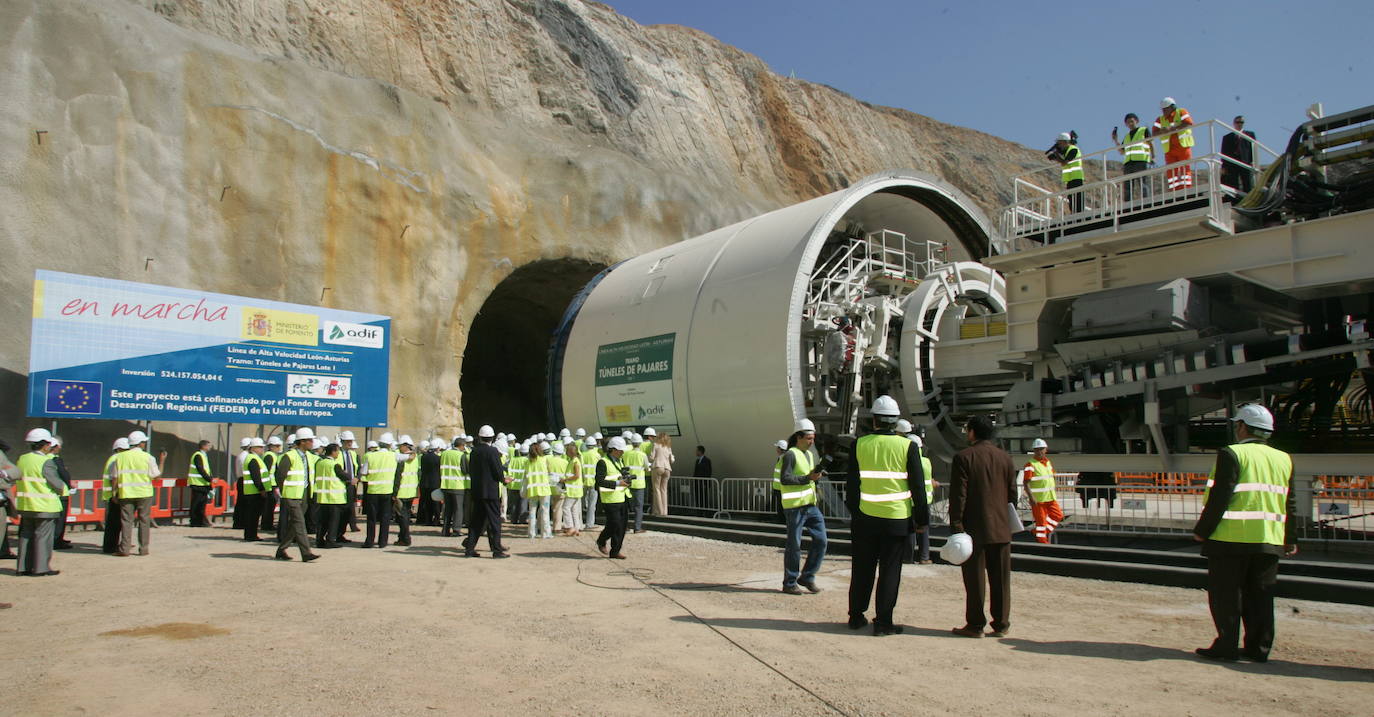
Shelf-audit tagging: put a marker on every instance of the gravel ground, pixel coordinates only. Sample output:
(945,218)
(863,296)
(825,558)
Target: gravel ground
(210,625)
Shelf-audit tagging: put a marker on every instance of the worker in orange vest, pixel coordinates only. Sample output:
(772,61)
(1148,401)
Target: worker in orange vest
(1038,479)
(1174,130)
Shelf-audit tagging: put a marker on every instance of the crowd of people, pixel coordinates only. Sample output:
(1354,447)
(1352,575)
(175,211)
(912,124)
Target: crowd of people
(553,482)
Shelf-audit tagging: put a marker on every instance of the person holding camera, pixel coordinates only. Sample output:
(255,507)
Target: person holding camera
(797,475)
(1065,151)
(613,482)
(1137,153)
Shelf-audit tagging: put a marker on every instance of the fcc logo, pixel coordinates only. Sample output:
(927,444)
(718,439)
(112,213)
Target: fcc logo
(305,386)
(369,337)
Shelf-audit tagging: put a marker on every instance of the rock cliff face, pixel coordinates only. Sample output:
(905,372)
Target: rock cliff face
(403,158)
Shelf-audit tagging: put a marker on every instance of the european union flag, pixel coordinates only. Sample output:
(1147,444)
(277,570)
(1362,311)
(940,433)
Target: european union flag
(74,397)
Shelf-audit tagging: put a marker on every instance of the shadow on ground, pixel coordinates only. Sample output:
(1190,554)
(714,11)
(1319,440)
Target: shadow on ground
(1135,652)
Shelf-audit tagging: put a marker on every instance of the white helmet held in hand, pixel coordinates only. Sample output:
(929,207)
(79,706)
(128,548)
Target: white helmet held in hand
(958,548)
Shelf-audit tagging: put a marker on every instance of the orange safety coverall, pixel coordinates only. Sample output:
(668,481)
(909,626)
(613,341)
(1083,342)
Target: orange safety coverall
(1046,515)
(1178,177)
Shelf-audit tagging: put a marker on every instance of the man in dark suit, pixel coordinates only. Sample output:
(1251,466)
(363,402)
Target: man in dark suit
(487,476)
(702,469)
(1238,175)
(982,483)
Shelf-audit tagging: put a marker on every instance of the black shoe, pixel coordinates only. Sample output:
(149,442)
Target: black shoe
(282,556)
(403,543)
(792,590)
(64,545)
(857,622)
(967,631)
(1208,653)
(502,554)
(1254,656)
(444,533)
(809,585)
(343,540)
(44,575)
(367,545)
(471,554)
(308,558)
(880,630)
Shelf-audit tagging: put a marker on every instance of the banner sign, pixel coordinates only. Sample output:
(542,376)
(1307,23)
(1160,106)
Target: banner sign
(634,385)
(103,348)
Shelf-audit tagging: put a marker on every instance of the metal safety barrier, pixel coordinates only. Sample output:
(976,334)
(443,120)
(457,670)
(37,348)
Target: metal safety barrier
(690,495)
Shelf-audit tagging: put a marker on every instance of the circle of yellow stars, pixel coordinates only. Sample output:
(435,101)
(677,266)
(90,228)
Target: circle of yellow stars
(75,405)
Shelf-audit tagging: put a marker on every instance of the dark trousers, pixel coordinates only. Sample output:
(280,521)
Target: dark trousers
(294,531)
(995,560)
(1240,589)
(518,505)
(113,527)
(330,524)
(426,513)
(268,510)
(1076,198)
(35,543)
(617,516)
(453,511)
(238,514)
(881,555)
(350,511)
(61,535)
(250,506)
(402,516)
(378,519)
(1139,188)
(200,497)
(485,515)
(312,515)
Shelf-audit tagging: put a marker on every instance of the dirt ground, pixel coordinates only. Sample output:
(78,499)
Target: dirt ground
(210,625)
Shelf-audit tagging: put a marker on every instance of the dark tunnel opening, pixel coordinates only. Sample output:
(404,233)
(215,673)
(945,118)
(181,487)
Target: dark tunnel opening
(505,363)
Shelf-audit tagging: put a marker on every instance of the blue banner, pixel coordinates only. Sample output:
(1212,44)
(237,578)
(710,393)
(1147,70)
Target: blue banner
(103,348)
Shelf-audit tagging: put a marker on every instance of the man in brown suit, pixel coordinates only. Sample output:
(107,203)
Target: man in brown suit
(982,482)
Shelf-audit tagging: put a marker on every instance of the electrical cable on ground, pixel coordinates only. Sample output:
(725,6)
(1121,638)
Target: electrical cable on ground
(640,576)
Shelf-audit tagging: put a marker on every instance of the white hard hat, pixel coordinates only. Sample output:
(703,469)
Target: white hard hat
(636,439)
(500,445)
(650,431)
(806,426)
(780,445)
(121,444)
(627,434)
(318,443)
(1039,443)
(346,436)
(1166,103)
(135,438)
(387,438)
(291,438)
(256,442)
(544,446)
(589,443)
(1255,416)
(597,435)
(580,433)
(405,440)
(558,449)
(486,432)
(304,433)
(569,440)
(886,406)
(525,448)
(616,444)
(564,433)
(57,440)
(243,443)
(273,441)
(903,426)
(373,444)
(1065,136)
(958,548)
(916,439)
(424,445)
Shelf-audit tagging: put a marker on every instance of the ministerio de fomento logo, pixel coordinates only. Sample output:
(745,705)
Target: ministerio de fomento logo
(305,386)
(369,337)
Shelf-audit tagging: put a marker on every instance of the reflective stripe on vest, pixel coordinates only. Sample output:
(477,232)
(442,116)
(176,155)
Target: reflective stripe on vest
(777,472)
(589,457)
(616,494)
(1257,512)
(410,478)
(107,488)
(193,476)
(1041,485)
(884,491)
(1164,129)
(1073,166)
(297,477)
(574,488)
(537,477)
(327,489)
(1137,146)
(132,468)
(32,494)
(451,470)
(516,470)
(248,487)
(381,472)
(798,496)
(930,480)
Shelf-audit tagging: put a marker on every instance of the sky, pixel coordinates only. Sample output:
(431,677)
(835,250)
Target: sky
(1028,71)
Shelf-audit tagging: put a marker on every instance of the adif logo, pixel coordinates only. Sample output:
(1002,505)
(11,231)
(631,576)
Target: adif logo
(303,386)
(337,332)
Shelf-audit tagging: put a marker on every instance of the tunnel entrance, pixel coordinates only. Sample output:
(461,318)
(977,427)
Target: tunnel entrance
(505,363)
